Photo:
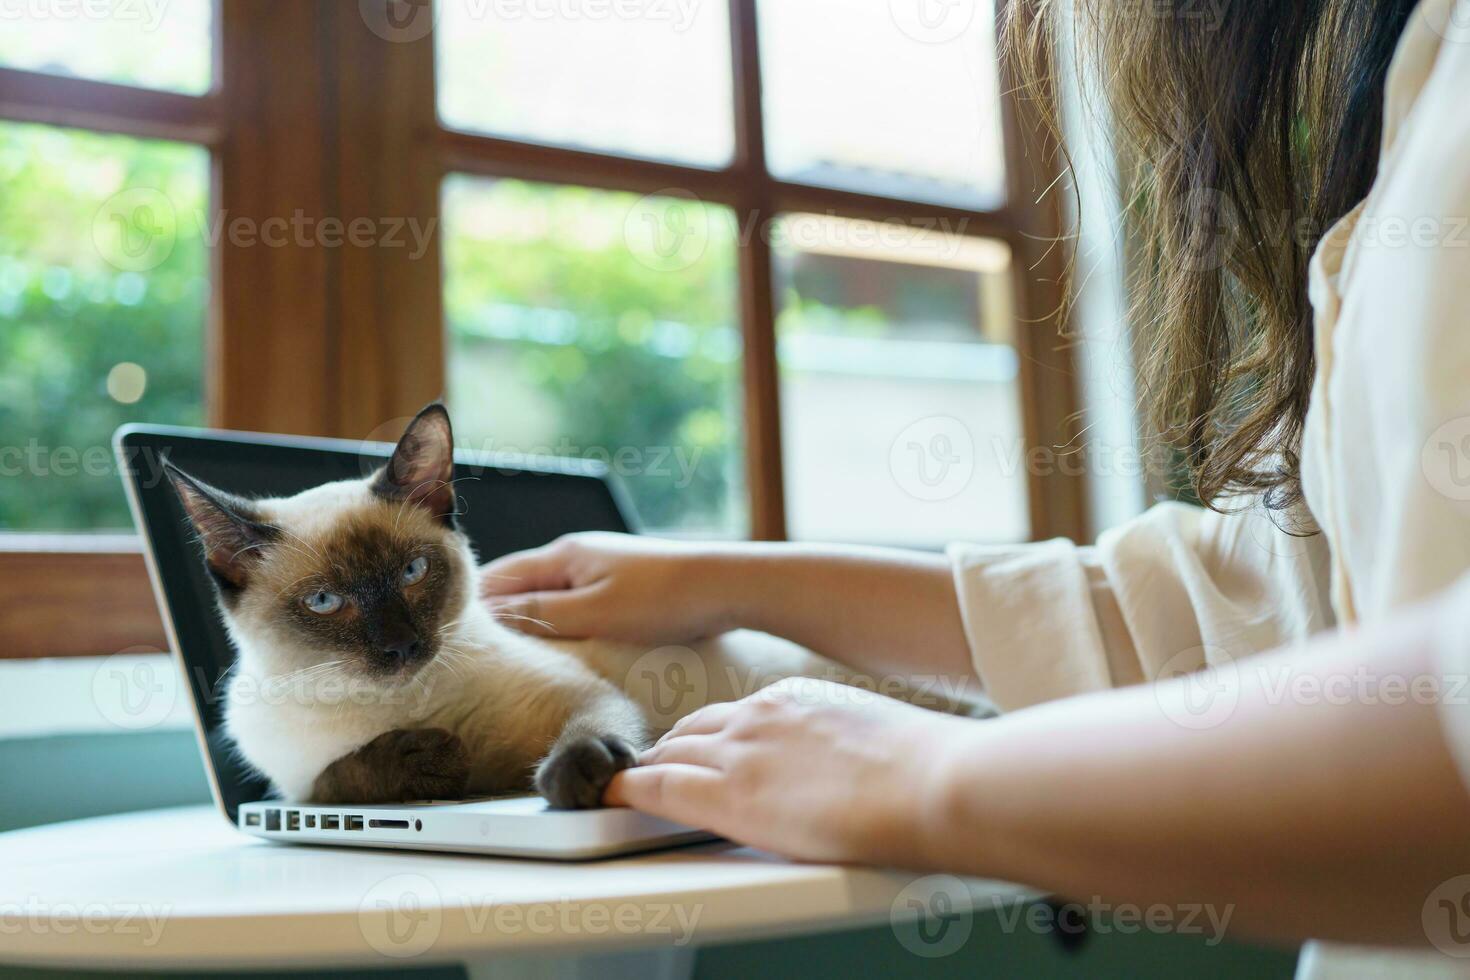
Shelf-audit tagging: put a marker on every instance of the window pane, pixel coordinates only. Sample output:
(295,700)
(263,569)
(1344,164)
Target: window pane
(102,300)
(163,44)
(601,325)
(644,78)
(899,397)
(896,97)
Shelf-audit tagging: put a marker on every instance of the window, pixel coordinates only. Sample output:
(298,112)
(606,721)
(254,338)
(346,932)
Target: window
(149,45)
(103,291)
(576,329)
(781,293)
(858,96)
(900,408)
(653,82)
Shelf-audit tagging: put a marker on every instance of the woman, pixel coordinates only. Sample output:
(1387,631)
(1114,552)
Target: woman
(1303,193)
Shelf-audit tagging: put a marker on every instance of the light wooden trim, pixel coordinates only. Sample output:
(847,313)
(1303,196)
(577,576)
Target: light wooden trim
(1050,400)
(492,156)
(387,302)
(787,197)
(272,350)
(102,106)
(72,596)
(764,464)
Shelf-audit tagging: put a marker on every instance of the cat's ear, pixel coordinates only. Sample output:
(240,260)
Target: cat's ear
(421,471)
(228,527)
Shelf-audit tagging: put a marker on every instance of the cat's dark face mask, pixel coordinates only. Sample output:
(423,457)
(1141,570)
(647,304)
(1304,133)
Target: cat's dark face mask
(363,579)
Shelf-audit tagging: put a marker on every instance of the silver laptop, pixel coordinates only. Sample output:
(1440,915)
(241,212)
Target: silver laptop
(531,503)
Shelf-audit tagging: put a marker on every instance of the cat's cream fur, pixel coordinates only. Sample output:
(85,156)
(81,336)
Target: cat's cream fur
(508,696)
(318,705)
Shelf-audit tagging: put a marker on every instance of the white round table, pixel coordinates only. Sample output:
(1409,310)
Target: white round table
(180,889)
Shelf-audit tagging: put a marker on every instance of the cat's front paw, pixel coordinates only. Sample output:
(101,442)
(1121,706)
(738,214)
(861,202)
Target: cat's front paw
(397,766)
(433,763)
(575,774)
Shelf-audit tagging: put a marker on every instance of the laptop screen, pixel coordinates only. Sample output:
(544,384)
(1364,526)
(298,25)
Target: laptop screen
(506,505)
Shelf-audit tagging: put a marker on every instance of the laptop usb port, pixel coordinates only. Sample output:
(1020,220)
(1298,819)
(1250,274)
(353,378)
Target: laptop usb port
(389,824)
(293,820)
(252,820)
(311,820)
(273,820)
(354,823)
(331,822)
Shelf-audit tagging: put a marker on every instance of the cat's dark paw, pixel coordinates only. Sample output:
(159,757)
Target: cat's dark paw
(575,774)
(397,766)
(430,763)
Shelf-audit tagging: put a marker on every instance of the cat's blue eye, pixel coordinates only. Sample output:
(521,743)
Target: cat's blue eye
(414,571)
(323,603)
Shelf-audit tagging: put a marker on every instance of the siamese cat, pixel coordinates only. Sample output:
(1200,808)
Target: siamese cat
(369,671)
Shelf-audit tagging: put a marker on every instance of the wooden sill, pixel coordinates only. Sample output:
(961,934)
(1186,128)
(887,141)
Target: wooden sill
(75,596)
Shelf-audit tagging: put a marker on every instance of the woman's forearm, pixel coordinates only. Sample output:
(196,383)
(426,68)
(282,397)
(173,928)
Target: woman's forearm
(883,611)
(1311,792)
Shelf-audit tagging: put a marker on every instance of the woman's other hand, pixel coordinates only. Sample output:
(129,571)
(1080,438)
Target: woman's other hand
(806,769)
(635,589)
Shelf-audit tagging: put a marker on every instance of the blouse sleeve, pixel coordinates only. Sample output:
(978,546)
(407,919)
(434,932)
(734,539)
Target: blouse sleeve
(1451,638)
(1167,593)
(1400,392)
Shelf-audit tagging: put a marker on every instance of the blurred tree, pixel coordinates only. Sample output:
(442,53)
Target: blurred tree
(572,332)
(610,354)
(69,316)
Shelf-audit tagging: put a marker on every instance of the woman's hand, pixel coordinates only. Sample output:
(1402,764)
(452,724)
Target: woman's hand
(636,589)
(880,610)
(806,769)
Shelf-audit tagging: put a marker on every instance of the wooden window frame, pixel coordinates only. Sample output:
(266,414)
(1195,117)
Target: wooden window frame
(312,111)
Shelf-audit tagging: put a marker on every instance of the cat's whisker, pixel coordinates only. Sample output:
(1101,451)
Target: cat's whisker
(290,586)
(298,550)
(455,658)
(525,619)
(255,546)
(302,541)
(433,485)
(307,672)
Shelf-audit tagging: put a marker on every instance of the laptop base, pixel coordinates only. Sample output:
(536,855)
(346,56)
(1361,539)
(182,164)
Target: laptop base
(522,826)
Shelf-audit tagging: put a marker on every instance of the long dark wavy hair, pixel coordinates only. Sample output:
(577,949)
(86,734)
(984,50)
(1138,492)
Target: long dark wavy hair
(1245,129)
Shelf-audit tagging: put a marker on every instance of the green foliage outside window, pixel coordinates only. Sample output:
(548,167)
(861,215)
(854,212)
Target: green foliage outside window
(72,309)
(567,337)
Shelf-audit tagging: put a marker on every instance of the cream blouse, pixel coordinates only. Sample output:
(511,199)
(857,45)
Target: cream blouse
(1385,457)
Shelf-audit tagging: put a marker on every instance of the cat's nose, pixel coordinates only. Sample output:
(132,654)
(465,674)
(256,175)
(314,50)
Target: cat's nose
(403,650)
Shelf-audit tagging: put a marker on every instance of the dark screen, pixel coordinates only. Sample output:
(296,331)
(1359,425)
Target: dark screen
(506,505)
